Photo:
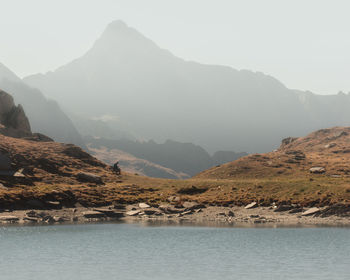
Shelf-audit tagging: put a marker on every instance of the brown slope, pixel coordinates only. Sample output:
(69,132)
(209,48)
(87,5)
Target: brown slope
(327,148)
(49,162)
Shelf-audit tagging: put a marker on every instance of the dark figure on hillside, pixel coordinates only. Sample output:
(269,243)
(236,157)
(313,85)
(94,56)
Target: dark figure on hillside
(116,168)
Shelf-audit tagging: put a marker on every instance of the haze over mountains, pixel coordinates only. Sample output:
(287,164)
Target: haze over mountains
(45,115)
(153,94)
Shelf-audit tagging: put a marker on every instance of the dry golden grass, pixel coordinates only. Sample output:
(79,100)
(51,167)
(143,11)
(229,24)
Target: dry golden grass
(273,177)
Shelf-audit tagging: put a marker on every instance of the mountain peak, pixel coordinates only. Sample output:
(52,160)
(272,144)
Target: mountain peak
(119,36)
(117,25)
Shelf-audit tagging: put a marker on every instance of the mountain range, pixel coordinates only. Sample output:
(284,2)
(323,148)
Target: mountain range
(149,92)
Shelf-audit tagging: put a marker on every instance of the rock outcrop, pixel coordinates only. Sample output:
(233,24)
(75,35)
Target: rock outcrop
(13,120)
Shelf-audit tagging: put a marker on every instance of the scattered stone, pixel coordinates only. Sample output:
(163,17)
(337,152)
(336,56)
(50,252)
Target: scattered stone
(192,205)
(59,219)
(144,205)
(317,170)
(230,214)
(53,204)
(150,211)
(330,145)
(251,205)
(30,219)
(311,211)
(189,212)
(109,212)
(133,212)
(119,206)
(296,210)
(93,214)
(9,219)
(48,219)
(168,209)
(2,187)
(254,216)
(283,208)
(173,199)
(32,214)
(90,178)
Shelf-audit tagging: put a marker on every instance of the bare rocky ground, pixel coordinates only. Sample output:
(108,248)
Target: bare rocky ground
(190,213)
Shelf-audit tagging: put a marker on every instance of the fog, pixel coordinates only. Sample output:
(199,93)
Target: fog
(302,43)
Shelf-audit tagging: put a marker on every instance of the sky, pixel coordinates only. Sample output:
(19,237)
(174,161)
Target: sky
(303,43)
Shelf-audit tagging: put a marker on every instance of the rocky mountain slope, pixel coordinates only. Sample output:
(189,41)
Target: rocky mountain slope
(144,88)
(45,115)
(325,152)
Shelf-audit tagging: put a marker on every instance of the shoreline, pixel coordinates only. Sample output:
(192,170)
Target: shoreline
(195,214)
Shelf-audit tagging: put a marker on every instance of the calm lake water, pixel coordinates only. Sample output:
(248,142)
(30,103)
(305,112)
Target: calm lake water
(126,251)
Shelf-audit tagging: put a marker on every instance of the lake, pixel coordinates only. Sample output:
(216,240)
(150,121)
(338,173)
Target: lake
(134,251)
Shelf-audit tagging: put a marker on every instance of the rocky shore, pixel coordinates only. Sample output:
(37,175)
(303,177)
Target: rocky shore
(188,212)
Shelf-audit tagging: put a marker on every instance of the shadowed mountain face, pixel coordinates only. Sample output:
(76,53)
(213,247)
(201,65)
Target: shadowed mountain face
(156,95)
(44,115)
(183,158)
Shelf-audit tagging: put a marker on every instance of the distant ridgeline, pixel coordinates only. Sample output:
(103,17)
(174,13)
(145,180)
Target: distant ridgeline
(180,157)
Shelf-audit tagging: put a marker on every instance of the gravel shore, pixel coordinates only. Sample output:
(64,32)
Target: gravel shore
(191,213)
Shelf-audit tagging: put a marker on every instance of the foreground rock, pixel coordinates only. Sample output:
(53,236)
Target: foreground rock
(311,211)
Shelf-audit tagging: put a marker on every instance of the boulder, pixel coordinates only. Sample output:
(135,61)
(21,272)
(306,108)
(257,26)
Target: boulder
(144,205)
(93,214)
(283,208)
(189,205)
(230,214)
(133,212)
(317,170)
(150,211)
(53,204)
(251,205)
(90,178)
(168,209)
(9,219)
(109,212)
(311,211)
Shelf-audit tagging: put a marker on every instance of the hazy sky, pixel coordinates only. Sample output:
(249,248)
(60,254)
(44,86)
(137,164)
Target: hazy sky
(303,43)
